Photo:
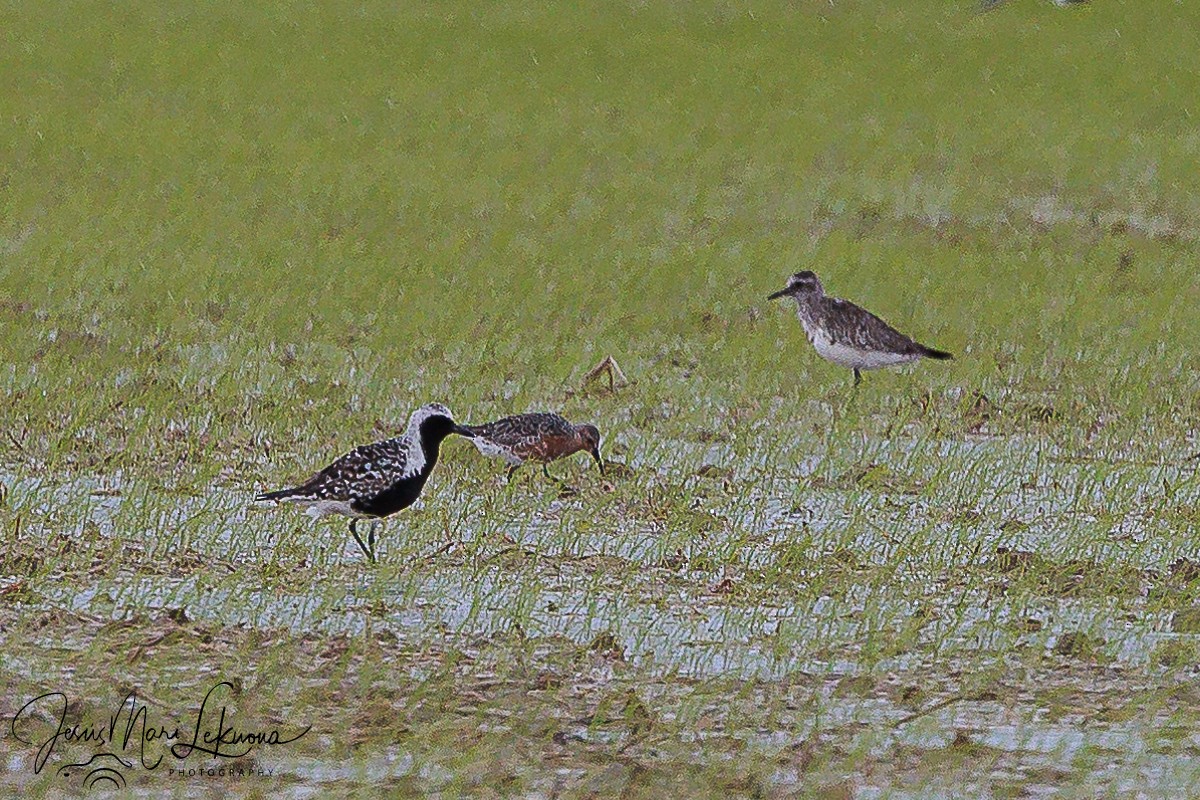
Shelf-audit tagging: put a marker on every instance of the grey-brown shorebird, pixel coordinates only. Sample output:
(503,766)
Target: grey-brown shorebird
(376,480)
(848,335)
(539,436)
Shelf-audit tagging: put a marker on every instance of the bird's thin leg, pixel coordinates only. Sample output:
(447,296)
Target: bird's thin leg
(857,377)
(371,537)
(546,470)
(512,471)
(354,532)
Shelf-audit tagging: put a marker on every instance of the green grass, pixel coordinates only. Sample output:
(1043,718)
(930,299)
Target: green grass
(235,242)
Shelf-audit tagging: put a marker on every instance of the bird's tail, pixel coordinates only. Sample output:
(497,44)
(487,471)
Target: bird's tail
(940,355)
(278,495)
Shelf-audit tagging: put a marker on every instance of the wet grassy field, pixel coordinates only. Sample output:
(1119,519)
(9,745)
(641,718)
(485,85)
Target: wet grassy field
(235,242)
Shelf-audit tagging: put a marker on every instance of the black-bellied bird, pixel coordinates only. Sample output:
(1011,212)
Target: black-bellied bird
(376,480)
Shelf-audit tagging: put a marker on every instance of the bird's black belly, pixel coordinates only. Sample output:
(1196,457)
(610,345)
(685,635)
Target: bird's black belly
(397,497)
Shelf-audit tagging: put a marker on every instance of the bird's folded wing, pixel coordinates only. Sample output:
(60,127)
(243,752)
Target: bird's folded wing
(363,472)
(854,326)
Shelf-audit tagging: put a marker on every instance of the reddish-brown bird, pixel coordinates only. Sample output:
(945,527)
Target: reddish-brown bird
(540,437)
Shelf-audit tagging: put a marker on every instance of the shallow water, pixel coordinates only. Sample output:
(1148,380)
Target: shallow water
(987,493)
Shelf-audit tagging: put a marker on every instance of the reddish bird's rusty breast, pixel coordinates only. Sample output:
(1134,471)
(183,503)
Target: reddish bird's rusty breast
(550,448)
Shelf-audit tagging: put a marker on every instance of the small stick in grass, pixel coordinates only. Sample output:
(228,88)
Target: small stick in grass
(608,365)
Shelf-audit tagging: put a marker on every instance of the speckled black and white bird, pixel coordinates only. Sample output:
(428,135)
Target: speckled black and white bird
(539,436)
(376,480)
(848,335)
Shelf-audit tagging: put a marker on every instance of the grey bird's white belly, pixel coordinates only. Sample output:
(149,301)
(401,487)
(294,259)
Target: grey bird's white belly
(846,355)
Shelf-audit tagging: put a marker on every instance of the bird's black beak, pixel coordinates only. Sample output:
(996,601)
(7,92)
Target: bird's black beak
(780,293)
(462,430)
(599,460)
